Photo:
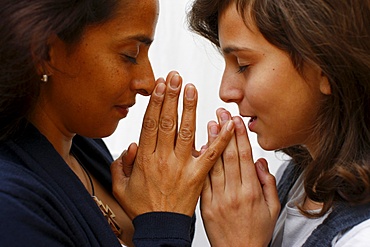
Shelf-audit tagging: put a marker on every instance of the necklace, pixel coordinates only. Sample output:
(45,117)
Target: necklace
(105,209)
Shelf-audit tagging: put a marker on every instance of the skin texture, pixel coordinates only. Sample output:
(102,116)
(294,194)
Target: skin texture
(95,79)
(93,82)
(239,201)
(269,89)
(165,175)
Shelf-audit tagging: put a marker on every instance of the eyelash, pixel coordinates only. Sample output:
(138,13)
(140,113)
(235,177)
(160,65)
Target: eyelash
(242,69)
(130,59)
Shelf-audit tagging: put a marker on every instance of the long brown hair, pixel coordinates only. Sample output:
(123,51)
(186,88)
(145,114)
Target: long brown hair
(334,35)
(24,32)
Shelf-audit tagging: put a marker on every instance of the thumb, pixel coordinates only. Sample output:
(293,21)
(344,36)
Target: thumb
(269,189)
(127,159)
(119,179)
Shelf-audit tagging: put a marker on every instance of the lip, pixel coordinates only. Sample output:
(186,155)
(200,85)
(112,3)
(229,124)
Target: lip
(252,123)
(123,110)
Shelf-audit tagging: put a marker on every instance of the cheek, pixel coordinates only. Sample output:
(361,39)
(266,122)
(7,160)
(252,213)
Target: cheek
(104,79)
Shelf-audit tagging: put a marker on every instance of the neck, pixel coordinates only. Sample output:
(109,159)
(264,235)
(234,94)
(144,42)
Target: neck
(54,132)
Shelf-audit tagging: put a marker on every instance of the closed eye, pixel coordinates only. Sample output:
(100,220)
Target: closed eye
(130,59)
(242,68)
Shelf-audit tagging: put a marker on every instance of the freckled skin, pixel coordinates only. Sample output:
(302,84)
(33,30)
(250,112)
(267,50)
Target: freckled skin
(270,88)
(92,84)
(89,80)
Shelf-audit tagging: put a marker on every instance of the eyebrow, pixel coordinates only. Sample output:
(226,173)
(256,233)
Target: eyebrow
(231,48)
(142,38)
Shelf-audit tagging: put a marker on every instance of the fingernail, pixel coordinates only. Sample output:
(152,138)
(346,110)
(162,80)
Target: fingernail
(175,81)
(203,149)
(190,92)
(213,130)
(123,154)
(161,87)
(240,128)
(230,125)
(224,117)
(261,166)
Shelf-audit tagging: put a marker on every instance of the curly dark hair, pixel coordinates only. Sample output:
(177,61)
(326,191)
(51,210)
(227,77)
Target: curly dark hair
(334,35)
(24,33)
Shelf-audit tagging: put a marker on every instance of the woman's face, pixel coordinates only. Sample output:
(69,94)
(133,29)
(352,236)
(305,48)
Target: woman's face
(94,83)
(261,79)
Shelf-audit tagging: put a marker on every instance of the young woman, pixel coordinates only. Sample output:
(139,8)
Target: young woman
(300,71)
(69,72)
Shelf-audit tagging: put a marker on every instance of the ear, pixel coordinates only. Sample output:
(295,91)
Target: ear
(44,65)
(325,87)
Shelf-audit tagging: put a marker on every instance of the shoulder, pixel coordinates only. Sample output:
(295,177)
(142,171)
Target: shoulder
(280,171)
(25,203)
(357,236)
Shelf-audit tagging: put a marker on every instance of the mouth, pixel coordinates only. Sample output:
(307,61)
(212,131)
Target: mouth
(123,109)
(251,120)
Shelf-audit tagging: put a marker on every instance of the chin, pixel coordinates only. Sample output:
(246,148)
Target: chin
(267,145)
(100,132)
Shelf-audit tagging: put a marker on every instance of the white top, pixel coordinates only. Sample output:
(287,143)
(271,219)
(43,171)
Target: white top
(293,228)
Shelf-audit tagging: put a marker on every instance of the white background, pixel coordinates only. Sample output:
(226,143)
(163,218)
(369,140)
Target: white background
(198,62)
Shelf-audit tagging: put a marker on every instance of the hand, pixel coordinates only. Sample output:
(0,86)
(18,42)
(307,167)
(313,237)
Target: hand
(165,175)
(239,201)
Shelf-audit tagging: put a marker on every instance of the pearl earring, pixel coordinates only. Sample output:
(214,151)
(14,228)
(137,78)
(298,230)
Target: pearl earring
(44,78)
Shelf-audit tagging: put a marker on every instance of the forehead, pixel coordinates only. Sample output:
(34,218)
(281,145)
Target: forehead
(236,30)
(137,8)
(132,21)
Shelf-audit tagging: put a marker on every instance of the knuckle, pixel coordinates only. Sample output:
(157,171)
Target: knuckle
(156,101)
(245,155)
(150,124)
(186,133)
(172,94)
(230,155)
(217,170)
(233,201)
(189,106)
(207,213)
(212,155)
(253,194)
(271,179)
(224,139)
(167,123)
(162,165)
(141,162)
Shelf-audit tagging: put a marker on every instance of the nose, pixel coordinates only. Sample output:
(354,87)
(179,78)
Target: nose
(143,82)
(231,88)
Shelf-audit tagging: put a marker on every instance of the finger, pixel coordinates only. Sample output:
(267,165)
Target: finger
(217,172)
(269,189)
(230,155)
(186,135)
(128,158)
(168,117)
(119,179)
(223,116)
(149,131)
(247,168)
(195,153)
(203,149)
(215,149)
(160,80)
(231,165)
(206,195)
(212,131)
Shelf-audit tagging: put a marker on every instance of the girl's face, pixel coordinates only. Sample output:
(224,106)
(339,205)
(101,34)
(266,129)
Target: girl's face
(261,79)
(94,83)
